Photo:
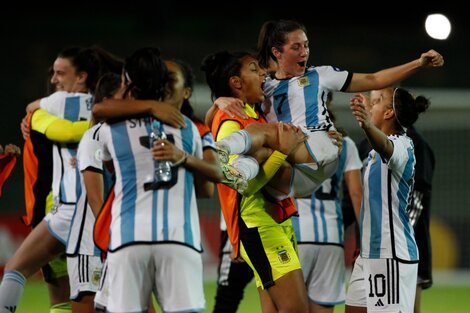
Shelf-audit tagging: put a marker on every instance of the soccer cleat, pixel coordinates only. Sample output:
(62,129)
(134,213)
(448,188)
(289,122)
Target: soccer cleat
(233,178)
(223,152)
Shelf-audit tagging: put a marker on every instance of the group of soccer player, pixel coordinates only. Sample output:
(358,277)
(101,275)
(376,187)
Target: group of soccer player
(270,146)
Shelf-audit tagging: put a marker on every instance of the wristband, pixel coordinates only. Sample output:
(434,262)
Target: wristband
(181,161)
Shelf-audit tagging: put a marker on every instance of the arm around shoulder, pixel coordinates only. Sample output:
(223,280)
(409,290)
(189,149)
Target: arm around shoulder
(58,129)
(121,108)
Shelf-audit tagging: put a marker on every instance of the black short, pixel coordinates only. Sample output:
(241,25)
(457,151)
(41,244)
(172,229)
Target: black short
(423,240)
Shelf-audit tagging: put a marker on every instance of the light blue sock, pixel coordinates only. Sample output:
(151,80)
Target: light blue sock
(239,142)
(11,290)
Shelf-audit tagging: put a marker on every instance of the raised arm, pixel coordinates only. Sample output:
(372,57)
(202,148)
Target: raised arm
(393,75)
(377,139)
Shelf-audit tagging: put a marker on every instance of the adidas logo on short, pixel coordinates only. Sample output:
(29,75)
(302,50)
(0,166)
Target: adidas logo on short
(379,303)
(10,308)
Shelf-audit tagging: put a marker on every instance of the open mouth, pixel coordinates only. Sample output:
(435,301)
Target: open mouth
(302,64)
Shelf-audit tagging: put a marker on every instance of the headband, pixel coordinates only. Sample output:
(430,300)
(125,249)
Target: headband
(127,77)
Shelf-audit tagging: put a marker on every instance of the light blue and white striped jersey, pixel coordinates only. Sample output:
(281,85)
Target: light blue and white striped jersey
(301,100)
(207,141)
(385,228)
(153,216)
(73,107)
(320,217)
(80,239)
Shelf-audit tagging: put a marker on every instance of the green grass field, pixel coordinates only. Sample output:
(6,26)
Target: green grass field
(435,300)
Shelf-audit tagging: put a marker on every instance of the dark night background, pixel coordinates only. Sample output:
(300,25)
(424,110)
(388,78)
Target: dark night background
(360,39)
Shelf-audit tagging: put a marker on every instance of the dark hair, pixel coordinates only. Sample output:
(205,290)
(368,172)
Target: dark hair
(95,61)
(406,107)
(188,78)
(146,74)
(69,53)
(274,34)
(107,86)
(219,67)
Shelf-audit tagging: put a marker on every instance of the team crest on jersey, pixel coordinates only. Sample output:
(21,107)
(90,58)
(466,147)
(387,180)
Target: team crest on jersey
(283,256)
(98,155)
(373,158)
(96,277)
(303,81)
(89,102)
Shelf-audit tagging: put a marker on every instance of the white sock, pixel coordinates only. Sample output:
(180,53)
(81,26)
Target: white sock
(11,290)
(239,142)
(246,165)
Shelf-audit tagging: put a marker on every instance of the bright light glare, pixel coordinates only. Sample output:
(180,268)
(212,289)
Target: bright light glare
(437,26)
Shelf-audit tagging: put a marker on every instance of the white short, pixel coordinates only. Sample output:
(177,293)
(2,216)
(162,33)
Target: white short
(382,285)
(172,271)
(84,274)
(102,294)
(308,177)
(324,273)
(59,220)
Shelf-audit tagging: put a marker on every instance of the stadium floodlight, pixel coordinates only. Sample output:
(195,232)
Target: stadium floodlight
(437,26)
